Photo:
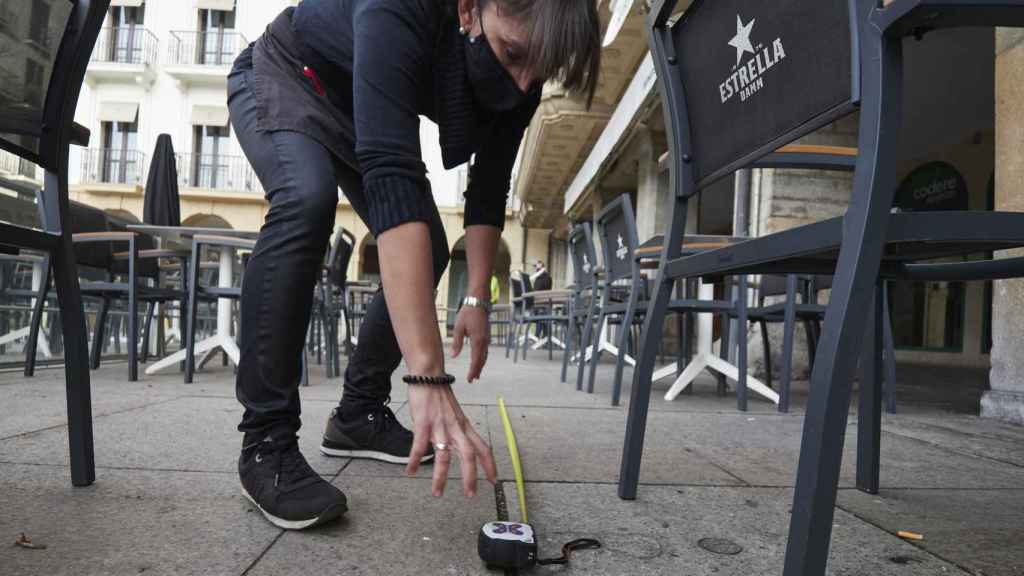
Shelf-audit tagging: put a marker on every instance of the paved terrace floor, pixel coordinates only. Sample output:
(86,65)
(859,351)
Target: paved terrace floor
(167,499)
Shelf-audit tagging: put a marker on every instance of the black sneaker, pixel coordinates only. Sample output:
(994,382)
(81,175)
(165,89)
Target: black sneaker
(278,480)
(376,435)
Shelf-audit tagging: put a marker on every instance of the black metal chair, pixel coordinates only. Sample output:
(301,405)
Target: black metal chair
(718,122)
(333,300)
(624,287)
(199,291)
(548,308)
(586,291)
(40,127)
(131,276)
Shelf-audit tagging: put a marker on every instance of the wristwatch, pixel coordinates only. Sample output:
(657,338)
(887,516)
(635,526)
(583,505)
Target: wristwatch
(477,302)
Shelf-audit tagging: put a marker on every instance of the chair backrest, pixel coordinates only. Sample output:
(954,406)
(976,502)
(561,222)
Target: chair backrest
(51,40)
(340,255)
(741,78)
(86,219)
(584,259)
(616,228)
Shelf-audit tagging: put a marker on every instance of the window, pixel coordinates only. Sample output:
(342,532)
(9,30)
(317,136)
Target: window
(216,36)
(210,160)
(126,34)
(119,156)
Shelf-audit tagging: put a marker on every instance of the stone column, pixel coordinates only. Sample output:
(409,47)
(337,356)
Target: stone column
(1005,400)
(647,181)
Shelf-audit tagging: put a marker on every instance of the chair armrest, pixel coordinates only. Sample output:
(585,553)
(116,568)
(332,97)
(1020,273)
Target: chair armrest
(85,237)
(227,241)
(79,134)
(156,253)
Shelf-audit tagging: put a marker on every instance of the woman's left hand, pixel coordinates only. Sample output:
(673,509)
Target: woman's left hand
(473,321)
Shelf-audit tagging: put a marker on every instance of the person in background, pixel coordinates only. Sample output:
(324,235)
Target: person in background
(495,290)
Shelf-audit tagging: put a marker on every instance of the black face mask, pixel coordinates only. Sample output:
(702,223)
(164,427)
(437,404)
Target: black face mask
(493,86)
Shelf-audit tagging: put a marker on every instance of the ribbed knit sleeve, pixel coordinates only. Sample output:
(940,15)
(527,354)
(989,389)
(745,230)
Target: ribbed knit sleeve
(390,54)
(491,172)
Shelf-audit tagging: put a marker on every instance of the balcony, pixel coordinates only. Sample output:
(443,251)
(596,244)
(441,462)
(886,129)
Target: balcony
(125,54)
(203,58)
(12,165)
(217,172)
(112,166)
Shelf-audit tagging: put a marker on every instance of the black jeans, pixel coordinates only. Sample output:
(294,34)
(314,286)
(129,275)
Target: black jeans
(301,178)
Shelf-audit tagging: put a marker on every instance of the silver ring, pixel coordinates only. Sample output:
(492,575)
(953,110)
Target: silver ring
(440,446)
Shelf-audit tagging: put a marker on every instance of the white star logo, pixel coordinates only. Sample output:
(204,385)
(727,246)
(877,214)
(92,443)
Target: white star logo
(741,41)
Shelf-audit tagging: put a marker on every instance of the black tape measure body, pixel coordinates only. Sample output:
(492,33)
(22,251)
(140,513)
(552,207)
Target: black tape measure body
(513,546)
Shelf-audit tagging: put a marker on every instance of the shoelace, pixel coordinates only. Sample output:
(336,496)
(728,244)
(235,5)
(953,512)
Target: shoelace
(291,463)
(383,416)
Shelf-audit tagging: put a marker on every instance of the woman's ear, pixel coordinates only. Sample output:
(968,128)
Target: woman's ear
(468,20)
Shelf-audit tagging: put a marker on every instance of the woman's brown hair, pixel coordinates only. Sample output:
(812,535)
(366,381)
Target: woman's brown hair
(564,40)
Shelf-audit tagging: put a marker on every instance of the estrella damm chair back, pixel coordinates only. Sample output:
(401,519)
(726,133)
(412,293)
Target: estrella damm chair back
(46,49)
(616,227)
(740,78)
(584,257)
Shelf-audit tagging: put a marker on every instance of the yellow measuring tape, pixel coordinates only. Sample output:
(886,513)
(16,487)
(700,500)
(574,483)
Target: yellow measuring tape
(517,467)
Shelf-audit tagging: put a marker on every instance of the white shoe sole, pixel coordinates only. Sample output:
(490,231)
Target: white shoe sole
(328,514)
(370,455)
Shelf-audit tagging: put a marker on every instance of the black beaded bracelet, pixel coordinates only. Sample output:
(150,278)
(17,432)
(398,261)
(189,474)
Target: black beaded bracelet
(446,380)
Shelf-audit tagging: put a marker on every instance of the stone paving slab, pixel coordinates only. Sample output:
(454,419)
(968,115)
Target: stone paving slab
(659,533)
(129,522)
(966,434)
(977,529)
(187,434)
(393,527)
(558,444)
(30,405)
(371,468)
(763,450)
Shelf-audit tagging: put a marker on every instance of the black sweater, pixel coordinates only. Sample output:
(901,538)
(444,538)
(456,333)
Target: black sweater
(382,64)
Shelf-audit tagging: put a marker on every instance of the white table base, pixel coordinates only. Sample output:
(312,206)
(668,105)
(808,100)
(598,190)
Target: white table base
(707,359)
(222,339)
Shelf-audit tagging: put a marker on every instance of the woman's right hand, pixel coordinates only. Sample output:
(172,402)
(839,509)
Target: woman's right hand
(438,418)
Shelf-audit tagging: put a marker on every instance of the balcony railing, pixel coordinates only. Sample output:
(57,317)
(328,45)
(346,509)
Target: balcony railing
(11,164)
(217,172)
(107,166)
(217,47)
(125,45)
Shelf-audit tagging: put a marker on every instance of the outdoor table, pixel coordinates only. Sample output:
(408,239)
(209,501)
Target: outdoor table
(37,279)
(705,358)
(551,297)
(180,238)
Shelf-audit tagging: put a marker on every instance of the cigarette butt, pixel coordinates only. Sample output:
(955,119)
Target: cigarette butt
(910,535)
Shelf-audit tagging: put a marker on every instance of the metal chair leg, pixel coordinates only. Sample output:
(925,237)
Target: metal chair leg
(99,334)
(190,321)
(585,342)
(865,230)
(624,332)
(76,361)
(890,355)
(869,414)
(788,334)
(37,320)
(741,345)
(133,316)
